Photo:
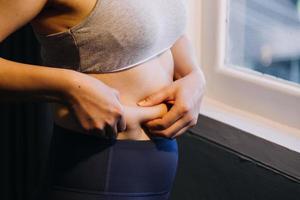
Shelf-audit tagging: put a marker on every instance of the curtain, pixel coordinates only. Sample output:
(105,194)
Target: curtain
(25,128)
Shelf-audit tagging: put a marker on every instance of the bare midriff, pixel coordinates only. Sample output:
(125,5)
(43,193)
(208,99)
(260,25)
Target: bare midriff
(134,84)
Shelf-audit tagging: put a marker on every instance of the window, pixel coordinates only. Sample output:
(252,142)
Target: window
(264,35)
(250,85)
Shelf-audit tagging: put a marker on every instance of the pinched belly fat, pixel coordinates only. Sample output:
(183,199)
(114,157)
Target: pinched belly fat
(133,84)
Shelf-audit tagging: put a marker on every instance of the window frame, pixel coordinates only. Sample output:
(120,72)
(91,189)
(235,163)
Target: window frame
(263,105)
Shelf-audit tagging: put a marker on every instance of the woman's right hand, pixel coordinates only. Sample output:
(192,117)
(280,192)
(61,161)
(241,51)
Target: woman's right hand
(96,106)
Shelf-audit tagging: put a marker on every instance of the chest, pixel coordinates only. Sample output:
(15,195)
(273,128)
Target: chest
(60,15)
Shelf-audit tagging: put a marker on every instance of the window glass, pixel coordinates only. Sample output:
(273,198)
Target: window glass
(264,35)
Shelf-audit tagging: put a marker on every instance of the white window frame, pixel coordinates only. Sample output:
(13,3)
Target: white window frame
(262,105)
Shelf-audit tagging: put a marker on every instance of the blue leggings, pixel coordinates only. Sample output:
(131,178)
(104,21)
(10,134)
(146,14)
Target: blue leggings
(89,168)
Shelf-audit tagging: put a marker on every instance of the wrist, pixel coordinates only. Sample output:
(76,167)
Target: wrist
(70,80)
(196,78)
(199,76)
(199,73)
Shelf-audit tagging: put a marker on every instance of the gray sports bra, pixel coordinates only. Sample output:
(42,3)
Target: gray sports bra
(116,35)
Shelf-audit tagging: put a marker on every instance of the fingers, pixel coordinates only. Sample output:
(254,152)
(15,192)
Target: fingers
(189,125)
(107,128)
(121,124)
(114,127)
(171,130)
(158,97)
(115,130)
(167,120)
(176,129)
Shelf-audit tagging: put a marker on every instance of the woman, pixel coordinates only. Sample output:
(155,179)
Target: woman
(100,60)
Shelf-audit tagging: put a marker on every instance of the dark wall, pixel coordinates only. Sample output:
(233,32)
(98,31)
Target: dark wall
(25,128)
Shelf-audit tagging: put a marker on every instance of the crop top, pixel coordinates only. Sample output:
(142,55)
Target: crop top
(116,35)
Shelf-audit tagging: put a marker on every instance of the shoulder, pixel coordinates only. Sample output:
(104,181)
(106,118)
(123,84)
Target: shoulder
(16,13)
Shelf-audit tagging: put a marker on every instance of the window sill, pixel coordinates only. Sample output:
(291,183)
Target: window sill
(248,122)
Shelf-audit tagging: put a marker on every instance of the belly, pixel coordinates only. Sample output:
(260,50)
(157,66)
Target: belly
(133,84)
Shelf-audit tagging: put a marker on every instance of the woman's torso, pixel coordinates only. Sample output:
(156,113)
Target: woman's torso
(133,84)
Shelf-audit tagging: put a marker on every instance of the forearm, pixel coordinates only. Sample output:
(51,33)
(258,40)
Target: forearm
(20,82)
(185,60)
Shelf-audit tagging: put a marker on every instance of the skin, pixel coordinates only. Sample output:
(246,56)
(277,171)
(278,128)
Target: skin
(101,103)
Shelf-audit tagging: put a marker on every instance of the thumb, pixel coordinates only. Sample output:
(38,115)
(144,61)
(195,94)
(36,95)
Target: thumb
(155,98)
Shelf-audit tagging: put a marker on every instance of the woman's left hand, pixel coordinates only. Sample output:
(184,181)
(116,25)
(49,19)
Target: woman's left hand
(186,96)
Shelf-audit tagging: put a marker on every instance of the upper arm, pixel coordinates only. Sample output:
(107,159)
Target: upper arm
(184,56)
(16,13)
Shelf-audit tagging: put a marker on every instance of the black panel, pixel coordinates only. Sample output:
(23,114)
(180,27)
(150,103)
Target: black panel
(216,165)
